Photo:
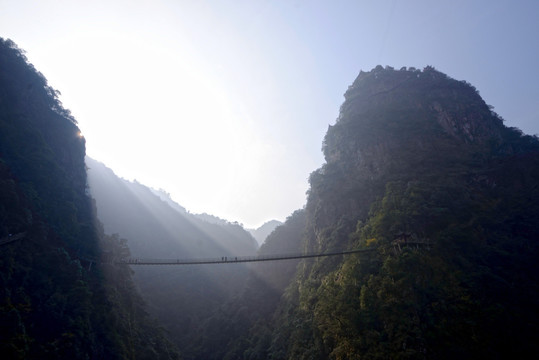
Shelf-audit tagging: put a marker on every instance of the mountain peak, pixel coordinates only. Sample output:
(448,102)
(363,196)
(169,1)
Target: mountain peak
(455,105)
(386,110)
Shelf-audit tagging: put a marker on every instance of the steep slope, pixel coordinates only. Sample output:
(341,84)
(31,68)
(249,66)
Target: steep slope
(56,300)
(181,298)
(420,170)
(417,157)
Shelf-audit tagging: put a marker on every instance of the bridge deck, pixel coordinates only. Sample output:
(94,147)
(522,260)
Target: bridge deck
(234,259)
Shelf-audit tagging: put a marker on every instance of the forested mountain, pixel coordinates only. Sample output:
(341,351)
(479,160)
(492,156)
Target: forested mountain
(57,299)
(182,298)
(260,234)
(423,173)
(419,172)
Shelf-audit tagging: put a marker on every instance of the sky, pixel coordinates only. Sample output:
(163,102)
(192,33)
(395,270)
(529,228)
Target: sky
(224,104)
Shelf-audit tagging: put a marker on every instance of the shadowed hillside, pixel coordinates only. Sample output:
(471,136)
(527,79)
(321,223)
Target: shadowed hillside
(57,301)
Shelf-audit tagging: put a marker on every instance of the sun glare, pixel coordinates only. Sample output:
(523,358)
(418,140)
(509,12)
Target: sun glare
(165,122)
(177,108)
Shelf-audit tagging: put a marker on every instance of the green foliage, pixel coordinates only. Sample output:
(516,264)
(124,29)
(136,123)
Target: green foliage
(133,332)
(419,168)
(55,302)
(40,144)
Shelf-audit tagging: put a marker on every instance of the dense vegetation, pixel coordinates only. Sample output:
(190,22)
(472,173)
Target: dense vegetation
(57,301)
(418,169)
(422,171)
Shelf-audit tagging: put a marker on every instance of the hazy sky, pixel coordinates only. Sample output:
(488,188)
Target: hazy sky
(224,104)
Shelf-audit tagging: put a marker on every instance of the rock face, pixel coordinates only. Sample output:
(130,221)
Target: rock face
(380,99)
(391,122)
(418,154)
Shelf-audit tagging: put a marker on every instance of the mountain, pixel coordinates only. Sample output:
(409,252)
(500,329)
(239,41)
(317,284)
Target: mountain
(260,234)
(443,197)
(181,298)
(420,174)
(155,225)
(58,299)
(165,196)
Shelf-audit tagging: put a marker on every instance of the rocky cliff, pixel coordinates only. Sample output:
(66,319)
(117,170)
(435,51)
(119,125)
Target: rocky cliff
(423,174)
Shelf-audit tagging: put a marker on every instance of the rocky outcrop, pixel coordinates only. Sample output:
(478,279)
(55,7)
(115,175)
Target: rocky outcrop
(396,122)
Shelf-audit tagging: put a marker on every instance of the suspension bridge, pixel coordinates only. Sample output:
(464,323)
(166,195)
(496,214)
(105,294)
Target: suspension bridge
(200,261)
(398,244)
(235,259)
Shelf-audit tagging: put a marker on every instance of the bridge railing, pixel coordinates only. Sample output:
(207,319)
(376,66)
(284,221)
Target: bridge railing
(235,259)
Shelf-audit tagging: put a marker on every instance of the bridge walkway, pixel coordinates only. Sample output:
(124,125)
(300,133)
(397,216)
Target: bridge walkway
(235,259)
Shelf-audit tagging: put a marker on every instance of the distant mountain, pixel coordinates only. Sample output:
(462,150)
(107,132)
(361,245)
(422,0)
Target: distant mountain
(263,231)
(165,196)
(246,316)
(444,198)
(156,227)
(212,219)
